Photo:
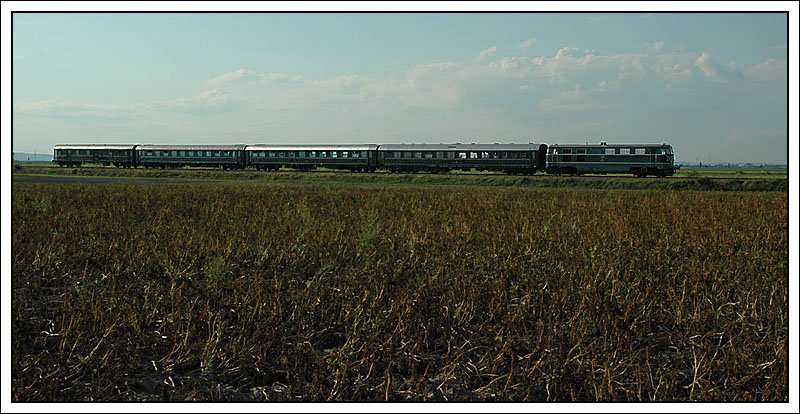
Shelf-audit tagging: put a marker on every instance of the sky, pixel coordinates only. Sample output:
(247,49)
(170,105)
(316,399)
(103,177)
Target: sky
(714,85)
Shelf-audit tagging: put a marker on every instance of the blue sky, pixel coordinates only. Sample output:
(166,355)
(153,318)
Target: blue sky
(712,84)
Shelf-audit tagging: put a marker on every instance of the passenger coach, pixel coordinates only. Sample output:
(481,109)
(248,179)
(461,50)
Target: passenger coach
(509,158)
(638,159)
(230,157)
(120,155)
(308,157)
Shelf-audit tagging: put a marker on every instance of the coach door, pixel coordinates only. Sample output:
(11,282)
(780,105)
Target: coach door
(371,154)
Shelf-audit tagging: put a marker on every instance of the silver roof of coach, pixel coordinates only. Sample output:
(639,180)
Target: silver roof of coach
(191,147)
(320,147)
(460,147)
(94,146)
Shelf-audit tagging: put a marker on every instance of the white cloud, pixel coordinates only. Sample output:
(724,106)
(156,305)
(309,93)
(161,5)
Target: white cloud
(238,75)
(515,66)
(770,69)
(488,52)
(280,77)
(657,46)
(601,86)
(61,107)
(716,72)
(527,44)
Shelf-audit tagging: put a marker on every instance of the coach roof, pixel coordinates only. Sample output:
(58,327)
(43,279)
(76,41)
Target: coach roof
(94,147)
(149,147)
(460,147)
(318,147)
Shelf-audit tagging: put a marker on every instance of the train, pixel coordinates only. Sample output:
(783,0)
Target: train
(641,160)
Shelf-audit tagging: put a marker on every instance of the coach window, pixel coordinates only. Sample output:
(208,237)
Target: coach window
(640,151)
(610,151)
(334,154)
(624,151)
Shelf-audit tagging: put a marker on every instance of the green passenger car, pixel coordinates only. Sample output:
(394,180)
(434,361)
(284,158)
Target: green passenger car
(120,155)
(307,157)
(229,157)
(508,158)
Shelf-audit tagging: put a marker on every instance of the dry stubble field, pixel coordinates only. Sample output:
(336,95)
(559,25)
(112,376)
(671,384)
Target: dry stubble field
(280,292)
